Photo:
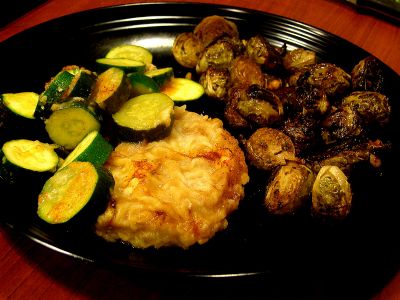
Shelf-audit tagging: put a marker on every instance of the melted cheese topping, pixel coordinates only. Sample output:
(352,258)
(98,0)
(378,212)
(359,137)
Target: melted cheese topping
(177,191)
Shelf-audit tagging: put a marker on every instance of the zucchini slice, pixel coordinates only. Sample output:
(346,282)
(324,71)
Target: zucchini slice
(77,193)
(161,76)
(133,52)
(126,64)
(68,126)
(22,104)
(142,84)
(148,116)
(30,155)
(56,88)
(93,148)
(18,117)
(83,84)
(182,89)
(111,90)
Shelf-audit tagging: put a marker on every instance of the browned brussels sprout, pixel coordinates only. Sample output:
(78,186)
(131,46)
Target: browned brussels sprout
(344,123)
(262,52)
(212,28)
(331,194)
(187,49)
(372,107)
(231,115)
(303,131)
(289,189)
(268,148)
(218,55)
(298,58)
(367,75)
(332,79)
(215,82)
(260,106)
(308,100)
(244,71)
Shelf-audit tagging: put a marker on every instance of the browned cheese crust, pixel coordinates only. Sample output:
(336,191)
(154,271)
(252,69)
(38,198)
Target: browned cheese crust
(177,191)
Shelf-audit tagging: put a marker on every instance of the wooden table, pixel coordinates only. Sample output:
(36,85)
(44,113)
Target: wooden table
(31,271)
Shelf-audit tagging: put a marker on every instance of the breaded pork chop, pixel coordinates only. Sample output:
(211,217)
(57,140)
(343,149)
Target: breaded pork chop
(177,191)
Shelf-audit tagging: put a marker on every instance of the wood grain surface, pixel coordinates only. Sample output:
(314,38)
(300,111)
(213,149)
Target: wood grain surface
(30,271)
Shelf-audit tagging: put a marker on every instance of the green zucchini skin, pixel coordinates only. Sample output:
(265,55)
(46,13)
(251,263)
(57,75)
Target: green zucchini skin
(83,84)
(125,64)
(61,189)
(94,148)
(161,76)
(71,81)
(112,89)
(142,84)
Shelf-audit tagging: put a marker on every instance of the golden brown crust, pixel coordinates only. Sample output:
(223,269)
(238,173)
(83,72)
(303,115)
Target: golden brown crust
(176,191)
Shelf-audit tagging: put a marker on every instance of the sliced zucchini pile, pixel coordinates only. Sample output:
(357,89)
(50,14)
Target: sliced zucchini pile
(150,79)
(71,81)
(75,110)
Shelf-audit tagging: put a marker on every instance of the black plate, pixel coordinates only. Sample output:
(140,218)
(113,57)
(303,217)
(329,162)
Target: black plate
(253,244)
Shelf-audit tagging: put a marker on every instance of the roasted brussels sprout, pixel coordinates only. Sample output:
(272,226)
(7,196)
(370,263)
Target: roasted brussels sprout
(344,123)
(303,131)
(331,194)
(218,55)
(262,52)
(298,58)
(244,71)
(308,100)
(372,107)
(260,106)
(187,49)
(231,115)
(367,75)
(215,82)
(212,28)
(332,79)
(289,189)
(268,148)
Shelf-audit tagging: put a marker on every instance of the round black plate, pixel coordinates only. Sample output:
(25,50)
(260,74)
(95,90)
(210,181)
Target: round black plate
(254,243)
